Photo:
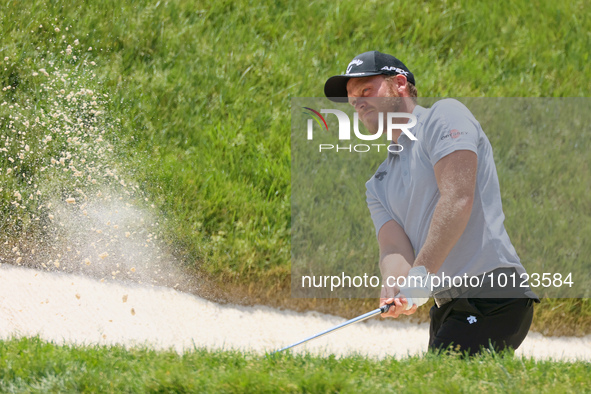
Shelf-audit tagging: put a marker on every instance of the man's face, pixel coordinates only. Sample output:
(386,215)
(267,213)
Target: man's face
(371,96)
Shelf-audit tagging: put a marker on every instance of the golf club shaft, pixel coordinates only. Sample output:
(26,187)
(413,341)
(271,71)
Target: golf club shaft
(365,316)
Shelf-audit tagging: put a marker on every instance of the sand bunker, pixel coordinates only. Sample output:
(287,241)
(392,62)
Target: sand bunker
(69,308)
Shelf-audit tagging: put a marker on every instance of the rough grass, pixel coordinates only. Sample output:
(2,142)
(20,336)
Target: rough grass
(32,365)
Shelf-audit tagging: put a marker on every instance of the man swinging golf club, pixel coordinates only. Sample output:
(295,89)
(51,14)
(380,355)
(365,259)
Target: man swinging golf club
(436,208)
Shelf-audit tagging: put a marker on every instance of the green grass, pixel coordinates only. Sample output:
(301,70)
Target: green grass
(32,365)
(202,91)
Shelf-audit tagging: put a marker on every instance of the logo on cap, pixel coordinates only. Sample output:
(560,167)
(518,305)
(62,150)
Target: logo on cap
(397,69)
(354,62)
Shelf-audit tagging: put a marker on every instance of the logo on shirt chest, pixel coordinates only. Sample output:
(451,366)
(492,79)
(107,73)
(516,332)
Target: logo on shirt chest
(380,175)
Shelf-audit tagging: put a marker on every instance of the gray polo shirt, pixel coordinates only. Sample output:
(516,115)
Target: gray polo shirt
(404,189)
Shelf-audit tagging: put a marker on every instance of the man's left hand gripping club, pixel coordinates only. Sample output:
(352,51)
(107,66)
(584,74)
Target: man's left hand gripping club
(415,292)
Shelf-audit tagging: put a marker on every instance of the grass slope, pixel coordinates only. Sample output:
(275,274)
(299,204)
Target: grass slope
(202,90)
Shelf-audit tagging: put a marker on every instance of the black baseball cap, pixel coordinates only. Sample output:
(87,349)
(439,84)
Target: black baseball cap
(365,65)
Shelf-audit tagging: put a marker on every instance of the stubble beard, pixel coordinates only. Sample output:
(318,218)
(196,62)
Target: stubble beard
(392,103)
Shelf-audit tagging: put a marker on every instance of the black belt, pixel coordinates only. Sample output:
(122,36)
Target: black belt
(444,295)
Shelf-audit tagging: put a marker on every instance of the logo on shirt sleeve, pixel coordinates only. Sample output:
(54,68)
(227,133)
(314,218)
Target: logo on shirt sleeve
(454,134)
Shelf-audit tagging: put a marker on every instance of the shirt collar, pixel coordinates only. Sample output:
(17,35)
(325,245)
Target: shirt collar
(418,111)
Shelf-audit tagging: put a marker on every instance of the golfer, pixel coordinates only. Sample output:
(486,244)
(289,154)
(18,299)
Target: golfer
(436,206)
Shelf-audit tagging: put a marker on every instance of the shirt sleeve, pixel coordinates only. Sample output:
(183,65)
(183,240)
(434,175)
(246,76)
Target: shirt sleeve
(378,212)
(451,127)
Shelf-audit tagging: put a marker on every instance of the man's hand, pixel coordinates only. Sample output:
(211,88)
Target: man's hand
(418,286)
(396,258)
(398,307)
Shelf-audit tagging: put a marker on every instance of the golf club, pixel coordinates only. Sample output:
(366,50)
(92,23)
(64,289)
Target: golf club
(380,310)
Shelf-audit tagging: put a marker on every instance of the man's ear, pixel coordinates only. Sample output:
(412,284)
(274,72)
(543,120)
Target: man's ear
(401,83)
